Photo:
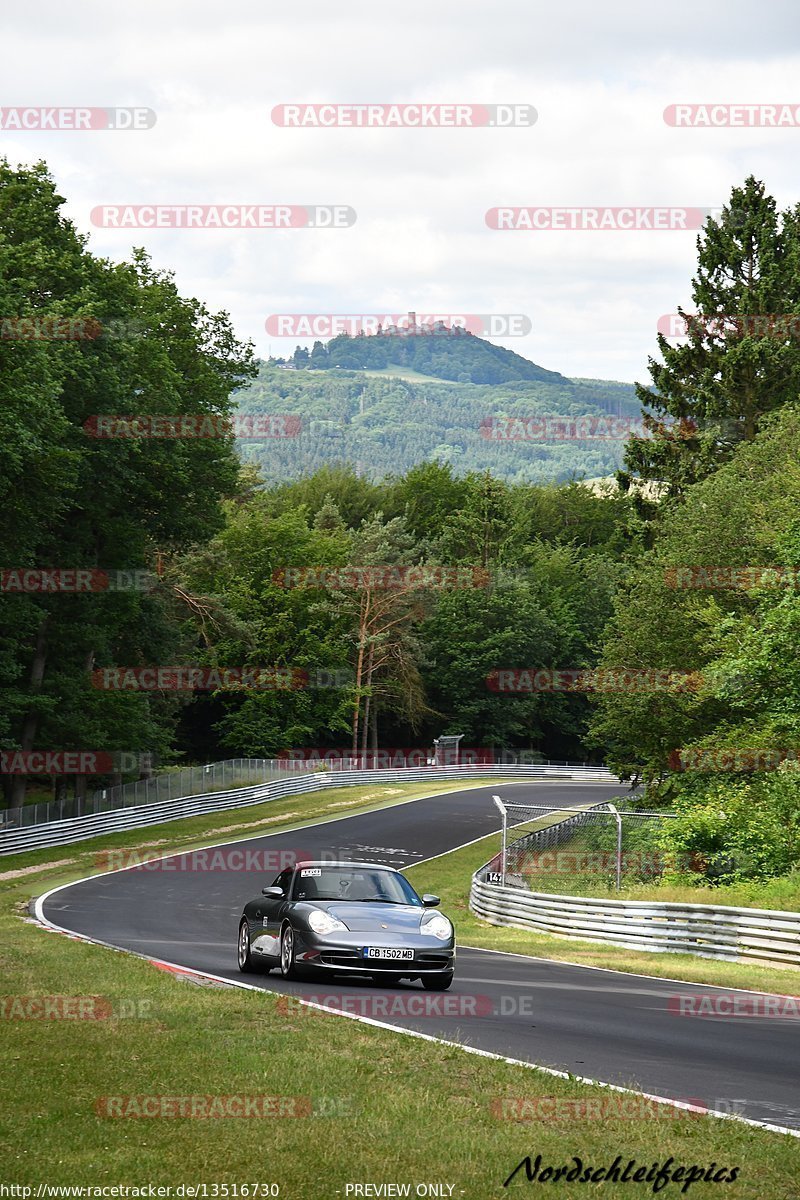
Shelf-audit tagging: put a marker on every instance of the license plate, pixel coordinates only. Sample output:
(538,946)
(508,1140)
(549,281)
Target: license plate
(387,952)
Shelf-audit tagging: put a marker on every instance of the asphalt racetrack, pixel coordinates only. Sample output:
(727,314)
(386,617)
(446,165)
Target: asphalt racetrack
(617,1028)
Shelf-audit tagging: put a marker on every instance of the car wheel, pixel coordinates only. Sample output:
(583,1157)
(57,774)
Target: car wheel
(246,963)
(288,968)
(437,983)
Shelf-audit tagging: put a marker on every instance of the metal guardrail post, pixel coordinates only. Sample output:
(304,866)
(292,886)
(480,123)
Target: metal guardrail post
(618,819)
(504,816)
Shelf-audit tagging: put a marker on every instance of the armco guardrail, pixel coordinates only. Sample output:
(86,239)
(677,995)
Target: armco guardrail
(706,930)
(78,829)
(227,776)
(198,780)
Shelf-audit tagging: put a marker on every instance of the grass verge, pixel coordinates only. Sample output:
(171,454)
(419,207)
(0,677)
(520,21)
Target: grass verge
(781,893)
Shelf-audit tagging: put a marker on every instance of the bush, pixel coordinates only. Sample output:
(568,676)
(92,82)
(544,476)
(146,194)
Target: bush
(736,829)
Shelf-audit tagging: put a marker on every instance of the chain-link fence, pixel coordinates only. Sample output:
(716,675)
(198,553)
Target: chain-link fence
(583,851)
(245,772)
(171,785)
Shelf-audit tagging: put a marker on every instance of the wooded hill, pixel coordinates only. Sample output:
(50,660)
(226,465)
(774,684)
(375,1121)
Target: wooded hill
(387,423)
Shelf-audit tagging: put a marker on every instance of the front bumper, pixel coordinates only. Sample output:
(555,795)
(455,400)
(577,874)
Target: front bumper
(346,953)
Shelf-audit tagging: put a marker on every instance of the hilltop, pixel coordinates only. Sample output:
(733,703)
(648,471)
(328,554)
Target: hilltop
(437,351)
(387,402)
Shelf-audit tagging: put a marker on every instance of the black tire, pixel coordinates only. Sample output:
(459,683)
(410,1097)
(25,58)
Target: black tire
(245,958)
(437,983)
(287,962)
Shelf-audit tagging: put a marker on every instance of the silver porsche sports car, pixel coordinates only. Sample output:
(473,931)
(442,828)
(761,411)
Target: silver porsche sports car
(347,917)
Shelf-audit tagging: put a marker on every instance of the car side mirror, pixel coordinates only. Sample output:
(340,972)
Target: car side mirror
(273,892)
(430,901)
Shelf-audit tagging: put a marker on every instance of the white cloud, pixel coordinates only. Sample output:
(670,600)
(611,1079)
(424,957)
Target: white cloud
(600,77)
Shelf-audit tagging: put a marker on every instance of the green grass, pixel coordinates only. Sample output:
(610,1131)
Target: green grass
(408,1110)
(402,1110)
(407,373)
(781,893)
(449,876)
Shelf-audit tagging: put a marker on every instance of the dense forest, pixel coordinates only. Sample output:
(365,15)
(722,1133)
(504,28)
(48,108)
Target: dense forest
(387,424)
(377,600)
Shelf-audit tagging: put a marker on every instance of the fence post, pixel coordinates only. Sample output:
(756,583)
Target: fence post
(618,819)
(504,815)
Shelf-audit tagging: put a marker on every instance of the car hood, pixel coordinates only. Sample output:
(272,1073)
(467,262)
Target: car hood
(363,917)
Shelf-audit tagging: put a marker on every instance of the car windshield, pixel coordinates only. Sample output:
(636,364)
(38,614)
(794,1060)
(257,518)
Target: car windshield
(353,884)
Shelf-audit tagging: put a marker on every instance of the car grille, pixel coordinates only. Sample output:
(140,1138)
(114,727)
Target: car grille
(343,957)
(351,958)
(433,962)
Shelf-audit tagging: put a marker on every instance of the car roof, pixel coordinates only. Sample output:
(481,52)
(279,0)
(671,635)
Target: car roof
(321,862)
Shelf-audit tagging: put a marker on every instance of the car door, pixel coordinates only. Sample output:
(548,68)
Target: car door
(267,917)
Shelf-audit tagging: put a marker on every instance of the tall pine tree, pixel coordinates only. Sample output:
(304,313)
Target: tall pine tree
(741,358)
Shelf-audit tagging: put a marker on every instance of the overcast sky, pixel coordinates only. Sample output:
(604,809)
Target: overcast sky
(599,77)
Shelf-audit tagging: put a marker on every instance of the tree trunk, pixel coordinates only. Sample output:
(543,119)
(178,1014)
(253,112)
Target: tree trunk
(365,723)
(31,723)
(375,728)
(362,627)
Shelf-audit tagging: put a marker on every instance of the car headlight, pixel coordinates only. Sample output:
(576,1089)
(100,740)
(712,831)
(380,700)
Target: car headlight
(438,926)
(323,923)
